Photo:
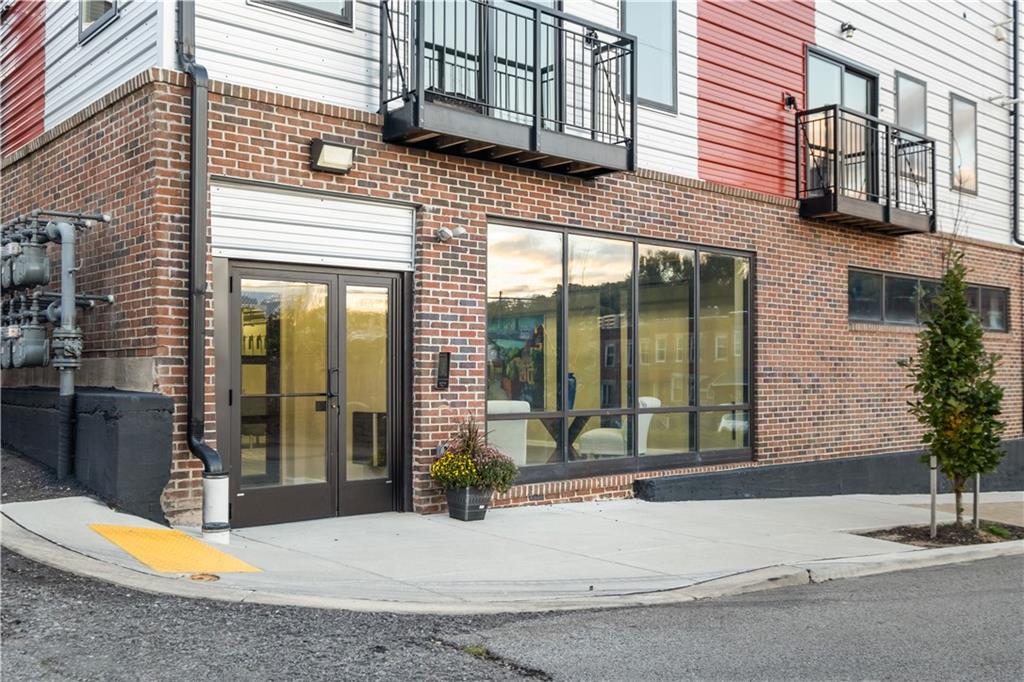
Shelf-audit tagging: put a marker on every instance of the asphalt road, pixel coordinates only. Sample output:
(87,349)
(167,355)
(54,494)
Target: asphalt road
(956,622)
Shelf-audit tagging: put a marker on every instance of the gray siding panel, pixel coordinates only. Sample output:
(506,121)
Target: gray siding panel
(78,74)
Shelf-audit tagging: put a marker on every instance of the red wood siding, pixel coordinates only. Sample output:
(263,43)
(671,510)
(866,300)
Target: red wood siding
(22,73)
(748,53)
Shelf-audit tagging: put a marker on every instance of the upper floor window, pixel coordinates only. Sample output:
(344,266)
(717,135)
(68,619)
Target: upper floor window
(964,144)
(93,15)
(338,11)
(654,25)
(911,104)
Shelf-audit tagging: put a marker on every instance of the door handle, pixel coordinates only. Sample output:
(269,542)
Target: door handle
(332,374)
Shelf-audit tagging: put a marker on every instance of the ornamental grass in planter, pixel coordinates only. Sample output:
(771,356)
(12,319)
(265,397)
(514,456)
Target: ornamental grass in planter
(470,471)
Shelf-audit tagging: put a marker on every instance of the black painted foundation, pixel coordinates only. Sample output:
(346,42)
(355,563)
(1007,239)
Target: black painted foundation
(122,441)
(889,474)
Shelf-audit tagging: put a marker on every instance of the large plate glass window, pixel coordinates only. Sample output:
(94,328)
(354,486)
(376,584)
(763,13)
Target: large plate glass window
(656,345)
(654,25)
(964,144)
(524,363)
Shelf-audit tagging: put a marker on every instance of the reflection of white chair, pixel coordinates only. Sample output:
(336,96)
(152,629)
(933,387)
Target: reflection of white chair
(612,442)
(508,436)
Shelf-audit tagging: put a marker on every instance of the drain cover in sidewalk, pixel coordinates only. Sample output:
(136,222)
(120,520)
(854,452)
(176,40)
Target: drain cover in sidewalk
(171,551)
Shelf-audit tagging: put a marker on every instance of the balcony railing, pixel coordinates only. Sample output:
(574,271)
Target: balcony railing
(510,81)
(856,170)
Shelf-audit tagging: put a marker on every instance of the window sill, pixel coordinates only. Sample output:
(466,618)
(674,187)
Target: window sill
(895,328)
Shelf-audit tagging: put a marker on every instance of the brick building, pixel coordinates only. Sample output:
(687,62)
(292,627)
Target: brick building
(716,271)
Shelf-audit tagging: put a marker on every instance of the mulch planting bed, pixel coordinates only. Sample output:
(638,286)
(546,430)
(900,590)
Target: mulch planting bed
(950,534)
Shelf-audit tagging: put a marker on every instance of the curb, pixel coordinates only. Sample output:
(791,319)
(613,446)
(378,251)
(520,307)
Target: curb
(37,548)
(855,567)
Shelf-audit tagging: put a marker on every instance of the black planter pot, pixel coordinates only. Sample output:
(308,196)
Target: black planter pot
(468,504)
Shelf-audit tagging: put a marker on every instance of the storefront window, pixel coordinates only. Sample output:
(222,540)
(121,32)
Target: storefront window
(599,318)
(666,311)
(723,327)
(686,389)
(524,284)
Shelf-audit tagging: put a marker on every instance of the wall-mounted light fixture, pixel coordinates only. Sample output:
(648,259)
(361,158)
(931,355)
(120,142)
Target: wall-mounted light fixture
(847,29)
(445,234)
(788,101)
(331,157)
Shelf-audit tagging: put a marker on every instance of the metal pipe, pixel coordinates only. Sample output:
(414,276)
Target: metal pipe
(933,485)
(216,524)
(67,346)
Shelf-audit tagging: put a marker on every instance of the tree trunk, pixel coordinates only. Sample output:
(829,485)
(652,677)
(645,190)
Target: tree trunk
(958,489)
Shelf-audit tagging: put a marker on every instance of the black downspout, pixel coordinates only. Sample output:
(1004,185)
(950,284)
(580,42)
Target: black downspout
(215,475)
(1015,132)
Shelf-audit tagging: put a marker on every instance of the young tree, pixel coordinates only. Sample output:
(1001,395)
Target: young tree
(957,400)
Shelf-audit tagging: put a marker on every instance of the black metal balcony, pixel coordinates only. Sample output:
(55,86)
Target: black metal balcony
(509,81)
(855,170)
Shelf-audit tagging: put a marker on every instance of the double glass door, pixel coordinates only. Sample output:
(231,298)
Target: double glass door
(313,394)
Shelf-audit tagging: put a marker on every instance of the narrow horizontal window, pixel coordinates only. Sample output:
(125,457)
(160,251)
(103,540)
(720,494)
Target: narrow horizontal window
(337,11)
(865,296)
(991,305)
(901,300)
(898,299)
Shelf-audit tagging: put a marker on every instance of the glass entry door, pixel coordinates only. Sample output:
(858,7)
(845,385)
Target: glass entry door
(831,82)
(312,395)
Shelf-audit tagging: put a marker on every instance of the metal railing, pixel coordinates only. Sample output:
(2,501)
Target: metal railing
(511,60)
(846,153)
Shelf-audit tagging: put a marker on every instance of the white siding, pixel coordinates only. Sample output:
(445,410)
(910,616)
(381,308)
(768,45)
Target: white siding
(283,51)
(78,74)
(952,47)
(270,224)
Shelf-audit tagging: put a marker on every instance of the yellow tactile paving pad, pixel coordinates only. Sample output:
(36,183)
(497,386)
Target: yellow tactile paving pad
(171,551)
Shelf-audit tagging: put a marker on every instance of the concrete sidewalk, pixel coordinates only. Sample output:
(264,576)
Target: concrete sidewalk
(587,555)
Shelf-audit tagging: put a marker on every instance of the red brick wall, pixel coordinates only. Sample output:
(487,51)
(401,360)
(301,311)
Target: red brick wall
(824,387)
(126,155)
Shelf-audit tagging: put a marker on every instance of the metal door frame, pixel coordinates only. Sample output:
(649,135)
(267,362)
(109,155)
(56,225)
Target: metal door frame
(357,497)
(294,503)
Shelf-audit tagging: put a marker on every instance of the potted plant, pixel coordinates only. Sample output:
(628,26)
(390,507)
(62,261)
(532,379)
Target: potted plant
(470,471)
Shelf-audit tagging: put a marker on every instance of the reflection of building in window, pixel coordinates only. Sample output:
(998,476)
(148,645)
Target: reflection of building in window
(678,387)
(680,348)
(737,344)
(610,354)
(720,346)
(608,393)
(660,348)
(645,351)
